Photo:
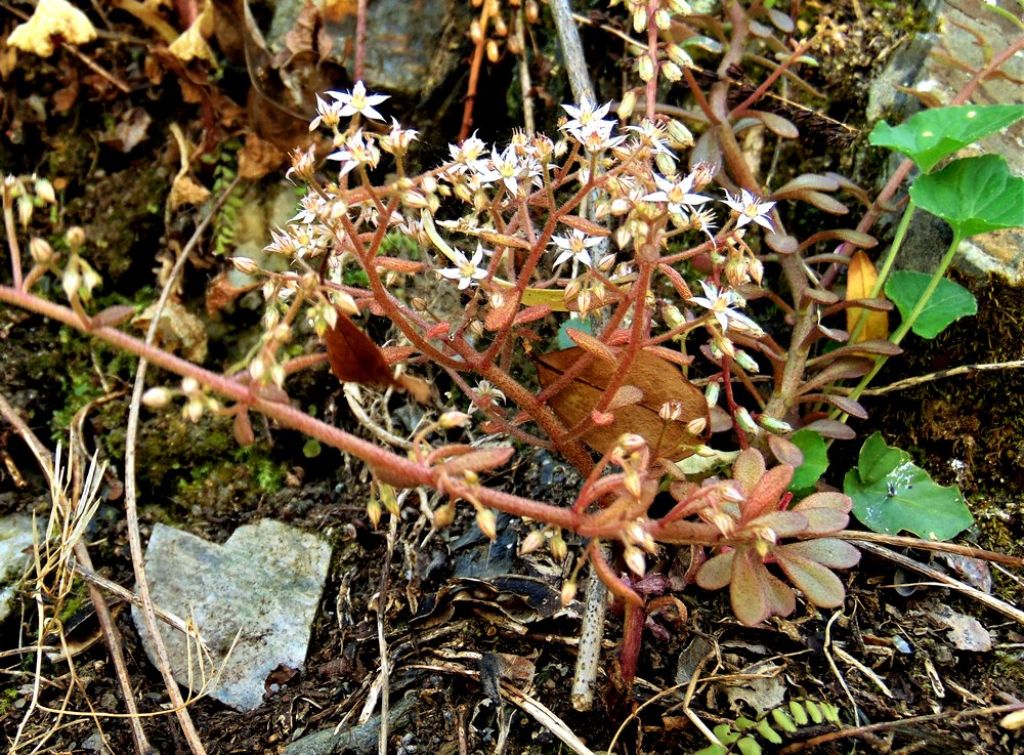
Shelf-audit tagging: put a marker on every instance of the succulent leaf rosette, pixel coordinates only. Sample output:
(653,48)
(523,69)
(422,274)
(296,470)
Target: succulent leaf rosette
(755,527)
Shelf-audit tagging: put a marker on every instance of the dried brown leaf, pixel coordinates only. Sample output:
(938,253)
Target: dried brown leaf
(659,381)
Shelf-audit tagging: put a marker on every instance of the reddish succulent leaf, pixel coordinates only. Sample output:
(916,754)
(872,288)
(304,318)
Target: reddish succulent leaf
(830,428)
(592,345)
(659,382)
(529,314)
(748,469)
(781,600)
(786,451)
(354,357)
(503,239)
(242,429)
(500,316)
(827,551)
(825,512)
(816,581)
(766,494)
(751,592)
(398,265)
(716,572)
(784,523)
(588,227)
(113,316)
(395,354)
(861,277)
(823,202)
(479,460)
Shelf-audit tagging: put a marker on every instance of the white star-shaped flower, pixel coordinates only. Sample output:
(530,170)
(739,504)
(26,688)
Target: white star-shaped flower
(358,101)
(466,271)
(722,303)
(750,209)
(576,246)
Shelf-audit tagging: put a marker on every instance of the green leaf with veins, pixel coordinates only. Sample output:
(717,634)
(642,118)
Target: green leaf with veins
(891,494)
(931,135)
(949,302)
(974,195)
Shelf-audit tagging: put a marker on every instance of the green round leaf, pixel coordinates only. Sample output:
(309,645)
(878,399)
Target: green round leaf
(311,448)
(934,134)
(974,195)
(891,494)
(815,459)
(949,302)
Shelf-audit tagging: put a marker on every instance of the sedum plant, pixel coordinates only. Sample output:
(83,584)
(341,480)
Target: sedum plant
(659,260)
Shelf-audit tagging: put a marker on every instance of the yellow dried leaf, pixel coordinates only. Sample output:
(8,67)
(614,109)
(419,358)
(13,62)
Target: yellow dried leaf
(191,43)
(52,18)
(186,190)
(860,280)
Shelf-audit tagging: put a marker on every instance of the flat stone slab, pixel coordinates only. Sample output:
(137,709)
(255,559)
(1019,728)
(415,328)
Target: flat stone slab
(263,585)
(929,63)
(15,552)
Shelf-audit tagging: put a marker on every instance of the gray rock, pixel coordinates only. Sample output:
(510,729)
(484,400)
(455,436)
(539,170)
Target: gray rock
(263,586)
(15,551)
(406,45)
(931,63)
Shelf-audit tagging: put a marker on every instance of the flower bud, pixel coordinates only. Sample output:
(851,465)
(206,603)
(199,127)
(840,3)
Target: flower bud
(640,19)
(44,190)
(645,68)
(71,281)
(487,523)
(374,511)
(193,410)
(679,56)
(711,393)
(556,545)
(662,19)
(627,105)
(746,422)
(744,360)
(773,425)
(493,53)
(568,591)
(680,134)
(532,11)
(635,560)
(245,265)
(25,208)
(41,251)
(697,426)
(449,420)
(157,398)
(671,71)
(531,542)
(665,162)
(75,236)
(444,515)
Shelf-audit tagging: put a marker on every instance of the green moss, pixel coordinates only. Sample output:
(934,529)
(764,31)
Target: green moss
(8,696)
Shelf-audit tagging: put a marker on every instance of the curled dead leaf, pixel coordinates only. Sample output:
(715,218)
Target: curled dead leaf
(657,381)
(860,280)
(52,18)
